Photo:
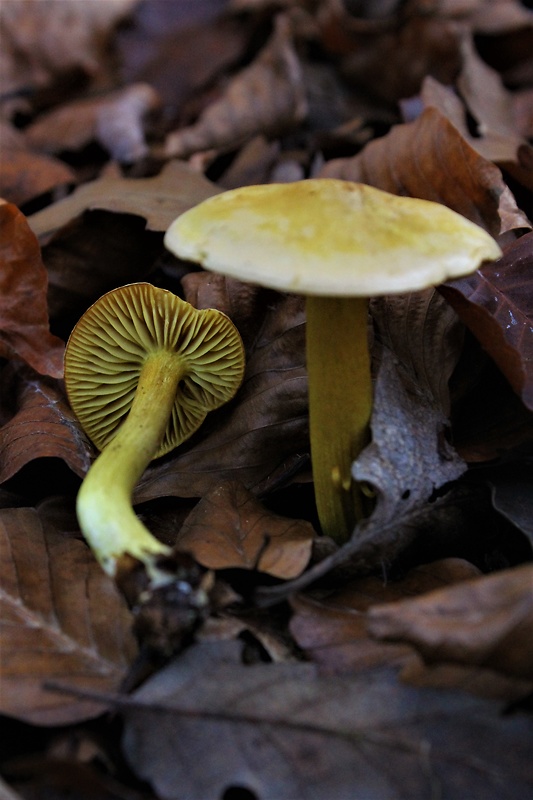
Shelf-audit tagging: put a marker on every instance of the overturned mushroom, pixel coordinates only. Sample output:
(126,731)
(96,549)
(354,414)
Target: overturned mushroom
(337,243)
(142,370)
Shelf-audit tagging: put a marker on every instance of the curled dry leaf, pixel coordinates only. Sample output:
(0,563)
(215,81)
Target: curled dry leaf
(230,528)
(496,303)
(485,622)
(25,174)
(42,426)
(429,159)
(63,619)
(24,328)
(114,120)
(265,98)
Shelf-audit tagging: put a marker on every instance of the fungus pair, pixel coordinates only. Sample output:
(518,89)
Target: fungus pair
(336,242)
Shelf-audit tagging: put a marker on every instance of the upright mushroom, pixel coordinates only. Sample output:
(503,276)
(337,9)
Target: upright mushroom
(142,370)
(338,243)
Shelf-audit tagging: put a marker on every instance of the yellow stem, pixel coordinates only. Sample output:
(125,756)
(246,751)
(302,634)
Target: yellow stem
(104,503)
(340,404)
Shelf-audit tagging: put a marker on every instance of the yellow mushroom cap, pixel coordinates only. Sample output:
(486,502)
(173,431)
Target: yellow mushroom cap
(329,237)
(112,341)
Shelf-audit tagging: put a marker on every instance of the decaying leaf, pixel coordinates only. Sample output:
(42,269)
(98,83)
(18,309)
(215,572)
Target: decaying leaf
(497,305)
(282,731)
(41,426)
(62,618)
(158,200)
(267,97)
(428,158)
(114,120)
(230,528)
(485,621)
(24,329)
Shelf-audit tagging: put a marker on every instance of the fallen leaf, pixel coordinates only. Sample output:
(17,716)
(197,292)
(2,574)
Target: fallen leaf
(486,621)
(265,98)
(158,200)
(63,619)
(115,120)
(42,425)
(230,528)
(282,731)
(429,159)
(512,495)
(24,328)
(497,306)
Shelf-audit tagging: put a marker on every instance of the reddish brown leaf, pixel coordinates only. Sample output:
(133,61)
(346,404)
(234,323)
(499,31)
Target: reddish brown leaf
(230,528)
(486,622)
(24,331)
(42,426)
(496,303)
(63,620)
(430,159)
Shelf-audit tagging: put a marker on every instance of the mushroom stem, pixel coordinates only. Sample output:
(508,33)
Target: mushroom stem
(104,503)
(340,404)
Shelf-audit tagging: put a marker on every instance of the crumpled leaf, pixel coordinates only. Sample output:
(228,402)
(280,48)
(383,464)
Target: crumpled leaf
(485,621)
(265,98)
(230,528)
(261,437)
(409,159)
(63,619)
(43,38)
(332,631)
(158,200)
(24,328)
(114,120)
(282,731)
(42,425)
(496,303)
(24,174)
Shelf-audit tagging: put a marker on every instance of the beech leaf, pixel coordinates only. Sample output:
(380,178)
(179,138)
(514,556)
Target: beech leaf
(282,731)
(230,528)
(24,328)
(63,619)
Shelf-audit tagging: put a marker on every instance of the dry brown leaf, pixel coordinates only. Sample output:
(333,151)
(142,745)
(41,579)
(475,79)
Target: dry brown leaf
(42,425)
(265,98)
(24,174)
(63,620)
(24,329)
(158,200)
(484,622)
(114,120)
(429,159)
(43,38)
(332,630)
(230,528)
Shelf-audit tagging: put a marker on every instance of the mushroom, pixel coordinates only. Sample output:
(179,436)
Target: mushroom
(338,243)
(142,370)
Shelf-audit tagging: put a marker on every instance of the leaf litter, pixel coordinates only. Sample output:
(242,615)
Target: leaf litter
(399,663)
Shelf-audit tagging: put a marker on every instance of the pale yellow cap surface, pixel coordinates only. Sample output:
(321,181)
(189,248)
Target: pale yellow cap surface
(329,237)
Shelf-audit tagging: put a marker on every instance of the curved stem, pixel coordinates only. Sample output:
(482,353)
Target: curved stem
(104,503)
(340,405)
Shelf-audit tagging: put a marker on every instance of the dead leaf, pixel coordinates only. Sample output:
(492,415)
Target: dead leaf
(485,622)
(230,528)
(429,159)
(497,306)
(158,200)
(265,98)
(42,425)
(332,630)
(114,120)
(24,329)
(24,174)
(512,495)
(282,731)
(63,619)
